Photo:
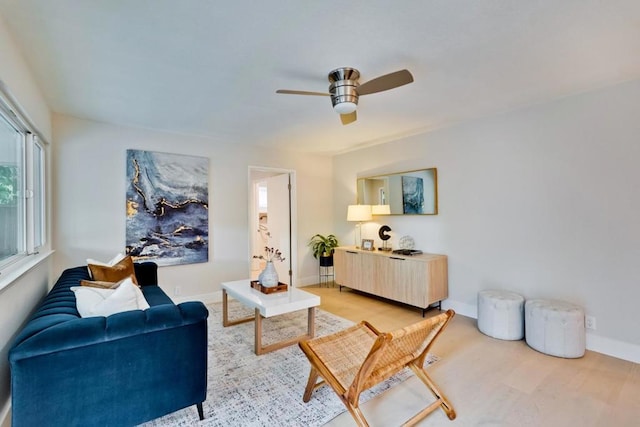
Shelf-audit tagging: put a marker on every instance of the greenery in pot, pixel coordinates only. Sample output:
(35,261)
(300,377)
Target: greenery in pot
(322,246)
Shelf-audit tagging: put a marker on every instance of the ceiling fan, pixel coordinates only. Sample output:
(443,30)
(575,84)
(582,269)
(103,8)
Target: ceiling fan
(345,89)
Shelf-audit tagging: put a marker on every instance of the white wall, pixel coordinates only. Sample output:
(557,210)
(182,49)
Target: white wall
(18,299)
(89,208)
(15,73)
(543,201)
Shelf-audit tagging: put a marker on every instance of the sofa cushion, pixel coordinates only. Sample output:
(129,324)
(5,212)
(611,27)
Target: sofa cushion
(92,302)
(113,261)
(121,270)
(99,284)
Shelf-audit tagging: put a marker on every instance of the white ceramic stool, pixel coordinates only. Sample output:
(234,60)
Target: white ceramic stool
(501,315)
(555,327)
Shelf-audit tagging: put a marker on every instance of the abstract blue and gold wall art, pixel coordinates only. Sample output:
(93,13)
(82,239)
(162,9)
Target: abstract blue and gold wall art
(167,207)
(412,195)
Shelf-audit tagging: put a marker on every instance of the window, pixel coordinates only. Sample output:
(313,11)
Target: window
(11,204)
(38,195)
(22,188)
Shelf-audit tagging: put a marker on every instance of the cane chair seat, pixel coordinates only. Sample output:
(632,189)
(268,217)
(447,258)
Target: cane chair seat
(359,357)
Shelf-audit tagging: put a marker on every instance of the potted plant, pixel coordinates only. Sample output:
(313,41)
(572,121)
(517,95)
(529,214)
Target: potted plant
(322,248)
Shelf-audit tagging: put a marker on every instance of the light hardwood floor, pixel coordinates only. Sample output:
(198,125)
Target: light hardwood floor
(491,382)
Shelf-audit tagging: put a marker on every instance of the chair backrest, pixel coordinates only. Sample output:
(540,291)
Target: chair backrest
(394,351)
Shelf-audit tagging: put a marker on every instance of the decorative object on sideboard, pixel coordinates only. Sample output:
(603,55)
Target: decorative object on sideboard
(406,242)
(359,214)
(367,245)
(408,252)
(384,236)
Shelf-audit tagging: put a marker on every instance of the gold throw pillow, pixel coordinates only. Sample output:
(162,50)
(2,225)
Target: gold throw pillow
(115,273)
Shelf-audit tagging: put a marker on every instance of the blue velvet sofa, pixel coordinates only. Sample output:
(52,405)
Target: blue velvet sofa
(120,370)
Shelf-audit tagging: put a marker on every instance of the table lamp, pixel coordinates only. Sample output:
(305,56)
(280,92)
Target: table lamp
(359,214)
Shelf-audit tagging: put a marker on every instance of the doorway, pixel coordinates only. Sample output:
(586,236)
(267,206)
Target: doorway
(271,219)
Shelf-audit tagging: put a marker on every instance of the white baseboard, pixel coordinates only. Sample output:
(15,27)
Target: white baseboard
(614,348)
(468,310)
(597,343)
(208,298)
(306,281)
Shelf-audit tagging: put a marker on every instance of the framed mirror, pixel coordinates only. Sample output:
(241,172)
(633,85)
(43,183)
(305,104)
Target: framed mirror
(406,193)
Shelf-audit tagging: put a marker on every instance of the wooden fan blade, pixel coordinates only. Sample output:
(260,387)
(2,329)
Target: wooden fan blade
(348,118)
(301,92)
(386,82)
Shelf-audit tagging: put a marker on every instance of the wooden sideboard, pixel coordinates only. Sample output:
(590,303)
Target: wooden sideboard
(418,280)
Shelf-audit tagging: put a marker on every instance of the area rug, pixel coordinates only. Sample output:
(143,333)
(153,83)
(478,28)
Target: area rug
(249,390)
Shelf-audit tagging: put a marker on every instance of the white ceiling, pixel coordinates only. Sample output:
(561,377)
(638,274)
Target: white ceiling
(212,67)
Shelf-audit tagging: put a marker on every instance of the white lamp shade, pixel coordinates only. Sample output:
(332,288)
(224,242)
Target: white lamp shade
(359,213)
(380,210)
(345,107)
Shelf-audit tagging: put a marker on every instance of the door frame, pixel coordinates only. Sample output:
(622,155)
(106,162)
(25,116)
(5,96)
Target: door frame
(293,223)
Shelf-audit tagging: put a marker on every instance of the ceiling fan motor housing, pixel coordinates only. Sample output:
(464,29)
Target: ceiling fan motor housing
(344,82)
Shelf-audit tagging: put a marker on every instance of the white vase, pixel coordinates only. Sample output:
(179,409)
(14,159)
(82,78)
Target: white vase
(269,276)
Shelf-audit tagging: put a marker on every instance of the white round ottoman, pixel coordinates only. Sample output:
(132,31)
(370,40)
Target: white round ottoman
(555,327)
(500,314)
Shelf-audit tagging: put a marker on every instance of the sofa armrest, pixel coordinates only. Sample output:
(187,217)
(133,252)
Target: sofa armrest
(146,273)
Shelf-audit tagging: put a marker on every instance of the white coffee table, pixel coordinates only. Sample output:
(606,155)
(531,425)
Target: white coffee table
(269,305)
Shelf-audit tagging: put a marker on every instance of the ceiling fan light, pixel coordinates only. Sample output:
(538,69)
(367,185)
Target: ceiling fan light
(345,107)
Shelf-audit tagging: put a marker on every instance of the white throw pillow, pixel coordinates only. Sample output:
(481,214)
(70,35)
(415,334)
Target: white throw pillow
(92,302)
(113,261)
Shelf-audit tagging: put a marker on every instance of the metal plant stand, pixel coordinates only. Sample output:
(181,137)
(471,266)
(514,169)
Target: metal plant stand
(325,271)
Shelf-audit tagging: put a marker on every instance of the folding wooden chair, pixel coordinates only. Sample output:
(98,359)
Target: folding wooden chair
(359,357)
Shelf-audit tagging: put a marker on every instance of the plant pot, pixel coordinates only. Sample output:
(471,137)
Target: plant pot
(326,261)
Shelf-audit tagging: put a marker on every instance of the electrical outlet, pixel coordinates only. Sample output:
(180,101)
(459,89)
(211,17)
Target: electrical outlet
(177,291)
(590,322)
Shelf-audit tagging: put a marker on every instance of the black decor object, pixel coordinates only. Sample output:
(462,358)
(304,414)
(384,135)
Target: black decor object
(382,233)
